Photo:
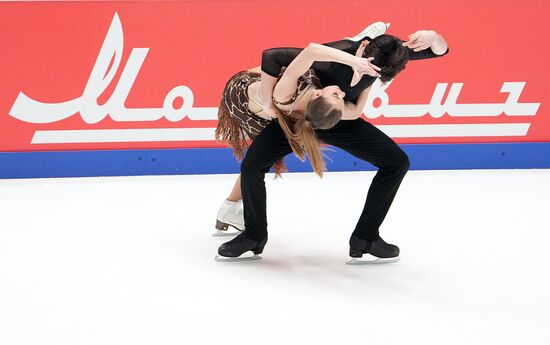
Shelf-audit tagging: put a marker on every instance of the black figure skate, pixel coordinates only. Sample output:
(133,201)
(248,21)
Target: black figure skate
(233,250)
(378,251)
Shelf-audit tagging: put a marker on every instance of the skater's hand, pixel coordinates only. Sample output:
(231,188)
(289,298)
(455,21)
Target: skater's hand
(356,78)
(364,66)
(420,40)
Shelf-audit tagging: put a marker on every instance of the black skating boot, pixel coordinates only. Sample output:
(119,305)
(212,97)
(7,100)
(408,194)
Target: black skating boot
(232,250)
(381,251)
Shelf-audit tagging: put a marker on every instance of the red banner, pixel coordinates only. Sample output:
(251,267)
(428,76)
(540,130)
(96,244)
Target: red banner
(117,75)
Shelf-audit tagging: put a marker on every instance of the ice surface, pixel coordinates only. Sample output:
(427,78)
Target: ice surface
(130,260)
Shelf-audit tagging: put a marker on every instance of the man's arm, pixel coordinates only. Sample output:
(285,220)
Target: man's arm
(286,86)
(353,111)
(267,85)
(420,41)
(274,59)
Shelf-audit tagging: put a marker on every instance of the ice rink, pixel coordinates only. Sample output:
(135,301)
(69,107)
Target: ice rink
(130,260)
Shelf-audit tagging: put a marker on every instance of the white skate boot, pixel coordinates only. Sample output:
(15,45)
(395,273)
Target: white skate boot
(230,215)
(372,31)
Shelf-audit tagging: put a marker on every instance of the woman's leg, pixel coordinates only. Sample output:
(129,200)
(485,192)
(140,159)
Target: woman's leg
(230,213)
(236,191)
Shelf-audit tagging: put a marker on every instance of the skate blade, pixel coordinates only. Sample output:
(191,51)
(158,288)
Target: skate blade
(241,258)
(372,260)
(223,230)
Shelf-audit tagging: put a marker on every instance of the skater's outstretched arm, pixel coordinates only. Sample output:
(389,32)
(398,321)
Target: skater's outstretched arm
(419,42)
(274,59)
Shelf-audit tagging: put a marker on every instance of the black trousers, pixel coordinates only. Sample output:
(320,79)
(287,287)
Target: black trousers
(357,137)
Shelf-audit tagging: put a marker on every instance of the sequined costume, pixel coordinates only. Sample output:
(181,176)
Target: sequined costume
(237,124)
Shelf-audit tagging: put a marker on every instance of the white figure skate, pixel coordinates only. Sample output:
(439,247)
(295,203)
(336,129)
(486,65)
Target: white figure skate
(372,31)
(230,215)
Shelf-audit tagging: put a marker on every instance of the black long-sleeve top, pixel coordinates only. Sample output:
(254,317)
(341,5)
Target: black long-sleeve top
(331,73)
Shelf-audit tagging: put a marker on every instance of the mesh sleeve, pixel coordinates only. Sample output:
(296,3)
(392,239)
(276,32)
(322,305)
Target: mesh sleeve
(424,54)
(276,58)
(344,45)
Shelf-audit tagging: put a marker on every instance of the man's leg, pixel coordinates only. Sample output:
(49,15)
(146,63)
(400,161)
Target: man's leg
(364,141)
(261,155)
(266,149)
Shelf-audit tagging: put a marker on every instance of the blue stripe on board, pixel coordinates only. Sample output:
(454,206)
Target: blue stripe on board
(221,161)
